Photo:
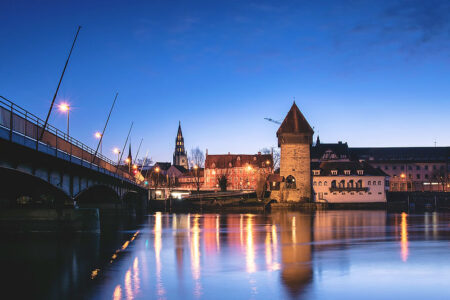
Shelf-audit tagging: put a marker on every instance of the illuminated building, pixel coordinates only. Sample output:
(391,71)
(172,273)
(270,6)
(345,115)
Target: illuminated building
(242,170)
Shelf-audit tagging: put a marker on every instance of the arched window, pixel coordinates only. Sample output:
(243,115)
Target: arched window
(368,182)
(359,184)
(350,183)
(342,183)
(290,182)
(379,182)
(333,184)
(374,183)
(320,183)
(325,183)
(314,183)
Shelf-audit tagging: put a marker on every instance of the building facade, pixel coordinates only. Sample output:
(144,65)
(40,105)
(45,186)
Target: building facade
(241,170)
(294,139)
(348,182)
(179,155)
(411,169)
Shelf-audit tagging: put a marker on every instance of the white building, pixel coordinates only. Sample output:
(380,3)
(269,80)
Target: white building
(348,182)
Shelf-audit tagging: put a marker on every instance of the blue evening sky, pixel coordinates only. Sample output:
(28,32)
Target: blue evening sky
(372,73)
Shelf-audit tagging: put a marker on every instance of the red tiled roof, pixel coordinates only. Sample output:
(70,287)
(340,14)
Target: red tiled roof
(222,161)
(295,122)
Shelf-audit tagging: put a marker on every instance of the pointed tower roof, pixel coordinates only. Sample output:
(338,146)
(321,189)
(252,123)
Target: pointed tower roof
(179,129)
(295,123)
(129,154)
(318,140)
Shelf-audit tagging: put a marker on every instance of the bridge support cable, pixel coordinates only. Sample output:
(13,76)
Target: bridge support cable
(104,128)
(126,141)
(59,83)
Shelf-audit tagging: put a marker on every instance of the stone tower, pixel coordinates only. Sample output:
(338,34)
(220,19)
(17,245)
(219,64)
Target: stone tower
(180,156)
(295,138)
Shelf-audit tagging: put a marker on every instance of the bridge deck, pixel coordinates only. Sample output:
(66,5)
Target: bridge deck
(24,128)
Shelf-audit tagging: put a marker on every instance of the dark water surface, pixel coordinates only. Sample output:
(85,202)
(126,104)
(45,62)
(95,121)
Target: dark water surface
(323,255)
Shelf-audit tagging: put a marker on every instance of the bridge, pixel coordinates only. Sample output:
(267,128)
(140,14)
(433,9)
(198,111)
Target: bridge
(56,170)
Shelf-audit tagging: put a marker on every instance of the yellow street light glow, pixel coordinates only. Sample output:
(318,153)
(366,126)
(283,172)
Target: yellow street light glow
(196,167)
(157,169)
(135,166)
(402,175)
(249,168)
(268,162)
(116,150)
(127,160)
(64,107)
(98,135)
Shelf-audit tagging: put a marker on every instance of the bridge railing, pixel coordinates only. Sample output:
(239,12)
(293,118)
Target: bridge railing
(18,120)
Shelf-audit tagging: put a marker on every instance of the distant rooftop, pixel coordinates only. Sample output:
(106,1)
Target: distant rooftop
(416,154)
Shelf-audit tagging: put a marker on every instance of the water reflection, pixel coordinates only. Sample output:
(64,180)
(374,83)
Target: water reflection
(404,237)
(277,256)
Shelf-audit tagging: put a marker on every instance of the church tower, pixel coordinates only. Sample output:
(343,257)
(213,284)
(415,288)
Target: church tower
(295,138)
(180,156)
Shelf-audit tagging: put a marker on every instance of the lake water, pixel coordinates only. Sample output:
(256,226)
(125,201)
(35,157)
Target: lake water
(282,255)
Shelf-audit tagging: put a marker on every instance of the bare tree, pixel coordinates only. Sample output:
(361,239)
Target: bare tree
(275,156)
(144,162)
(196,158)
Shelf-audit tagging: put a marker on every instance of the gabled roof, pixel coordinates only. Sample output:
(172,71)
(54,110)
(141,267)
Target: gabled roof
(341,166)
(223,161)
(340,149)
(294,122)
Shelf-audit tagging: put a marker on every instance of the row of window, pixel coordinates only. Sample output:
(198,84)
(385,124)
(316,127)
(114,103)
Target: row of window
(335,172)
(426,167)
(410,176)
(350,183)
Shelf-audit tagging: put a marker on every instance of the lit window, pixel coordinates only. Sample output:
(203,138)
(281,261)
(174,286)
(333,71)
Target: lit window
(333,172)
(360,172)
(347,172)
(368,183)
(316,172)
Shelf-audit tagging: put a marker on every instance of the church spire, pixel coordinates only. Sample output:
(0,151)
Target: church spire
(130,158)
(180,156)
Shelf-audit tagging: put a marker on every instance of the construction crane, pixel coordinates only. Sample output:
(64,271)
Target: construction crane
(272,120)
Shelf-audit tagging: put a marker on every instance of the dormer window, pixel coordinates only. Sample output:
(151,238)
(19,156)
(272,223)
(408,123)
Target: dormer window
(347,172)
(316,172)
(360,172)
(333,172)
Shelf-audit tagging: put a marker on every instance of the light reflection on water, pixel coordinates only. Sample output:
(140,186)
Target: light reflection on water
(322,255)
(328,254)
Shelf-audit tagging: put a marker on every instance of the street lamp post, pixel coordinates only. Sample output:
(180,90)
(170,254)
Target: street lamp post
(65,108)
(197,183)
(117,151)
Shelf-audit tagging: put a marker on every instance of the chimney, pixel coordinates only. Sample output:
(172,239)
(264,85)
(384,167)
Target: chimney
(340,142)
(206,151)
(229,153)
(259,153)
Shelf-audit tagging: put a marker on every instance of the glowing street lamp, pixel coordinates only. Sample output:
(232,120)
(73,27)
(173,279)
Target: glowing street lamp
(98,136)
(65,108)
(117,151)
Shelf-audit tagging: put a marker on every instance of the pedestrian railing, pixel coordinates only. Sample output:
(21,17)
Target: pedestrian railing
(26,128)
